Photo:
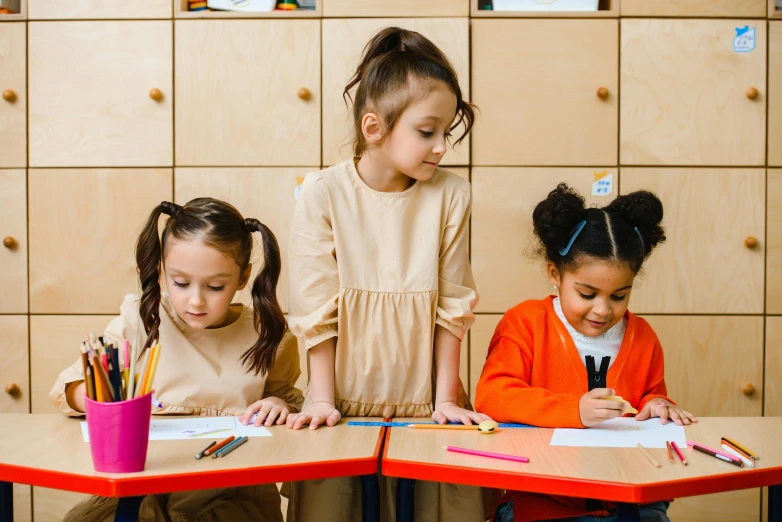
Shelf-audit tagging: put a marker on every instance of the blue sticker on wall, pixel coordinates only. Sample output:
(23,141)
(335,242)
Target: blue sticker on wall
(744,41)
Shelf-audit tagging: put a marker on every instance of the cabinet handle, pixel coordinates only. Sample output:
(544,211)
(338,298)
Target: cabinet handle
(752,93)
(602,93)
(304,94)
(9,242)
(751,242)
(156,94)
(11,388)
(747,389)
(9,95)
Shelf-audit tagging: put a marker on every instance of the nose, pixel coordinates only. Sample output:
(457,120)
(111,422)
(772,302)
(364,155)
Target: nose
(196,299)
(439,147)
(601,309)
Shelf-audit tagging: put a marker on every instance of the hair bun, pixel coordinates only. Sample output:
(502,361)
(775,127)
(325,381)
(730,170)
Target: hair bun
(555,217)
(171,209)
(644,210)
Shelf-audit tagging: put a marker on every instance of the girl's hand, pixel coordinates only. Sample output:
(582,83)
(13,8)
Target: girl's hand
(318,413)
(450,412)
(665,410)
(270,408)
(594,410)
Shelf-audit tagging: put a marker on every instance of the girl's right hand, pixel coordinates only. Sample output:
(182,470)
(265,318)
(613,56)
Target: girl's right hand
(594,410)
(318,413)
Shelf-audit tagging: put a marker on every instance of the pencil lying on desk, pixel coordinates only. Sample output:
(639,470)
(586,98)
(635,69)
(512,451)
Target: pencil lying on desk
(670,455)
(479,453)
(679,453)
(738,447)
(473,427)
(648,456)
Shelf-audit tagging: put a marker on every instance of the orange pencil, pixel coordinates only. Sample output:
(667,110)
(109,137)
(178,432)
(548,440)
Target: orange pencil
(152,367)
(145,381)
(219,445)
(670,455)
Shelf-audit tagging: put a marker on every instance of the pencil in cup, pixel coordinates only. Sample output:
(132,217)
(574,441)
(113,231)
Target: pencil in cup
(500,456)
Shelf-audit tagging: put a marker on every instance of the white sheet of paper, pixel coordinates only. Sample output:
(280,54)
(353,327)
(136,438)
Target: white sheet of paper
(196,428)
(623,432)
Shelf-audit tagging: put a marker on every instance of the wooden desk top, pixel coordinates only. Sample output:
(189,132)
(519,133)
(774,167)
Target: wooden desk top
(49,451)
(614,474)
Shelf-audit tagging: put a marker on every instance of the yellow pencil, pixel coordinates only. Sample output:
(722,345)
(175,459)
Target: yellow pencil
(648,455)
(473,427)
(152,367)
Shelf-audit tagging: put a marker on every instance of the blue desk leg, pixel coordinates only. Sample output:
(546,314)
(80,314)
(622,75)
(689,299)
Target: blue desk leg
(370,498)
(127,509)
(405,500)
(775,503)
(628,512)
(6,502)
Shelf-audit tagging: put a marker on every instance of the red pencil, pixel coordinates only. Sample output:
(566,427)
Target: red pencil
(679,453)
(218,445)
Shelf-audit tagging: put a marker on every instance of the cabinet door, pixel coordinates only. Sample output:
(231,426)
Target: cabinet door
(775,93)
(14,365)
(13,233)
(687,97)
(480,337)
(101,94)
(343,43)
(13,84)
(83,230)
(536,83)
(505,263)
(266,194)
(51,505)
(773,392)
(705,8)
(413,8)
(774,239)
(248,92)
(712,260)
(98,9)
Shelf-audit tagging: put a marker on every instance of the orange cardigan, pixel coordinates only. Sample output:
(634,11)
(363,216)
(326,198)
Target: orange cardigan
(534,375)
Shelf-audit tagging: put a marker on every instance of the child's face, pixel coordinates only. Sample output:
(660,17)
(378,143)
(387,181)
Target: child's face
(594,297)
(417,143)
(201,282)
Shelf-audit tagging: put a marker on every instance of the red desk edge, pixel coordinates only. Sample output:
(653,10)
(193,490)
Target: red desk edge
(575,487)
(134,486)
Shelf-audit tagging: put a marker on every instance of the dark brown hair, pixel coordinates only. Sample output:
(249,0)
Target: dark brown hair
(222,227)
(392,60)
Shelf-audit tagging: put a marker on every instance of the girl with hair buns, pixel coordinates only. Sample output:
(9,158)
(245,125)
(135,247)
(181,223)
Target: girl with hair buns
(218,357)
(552,362)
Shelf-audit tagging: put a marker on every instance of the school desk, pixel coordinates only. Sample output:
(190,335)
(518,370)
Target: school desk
(49,451)
(621,475)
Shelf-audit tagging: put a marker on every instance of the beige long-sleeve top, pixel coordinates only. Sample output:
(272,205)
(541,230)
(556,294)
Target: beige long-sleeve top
(378,270)
(199,371)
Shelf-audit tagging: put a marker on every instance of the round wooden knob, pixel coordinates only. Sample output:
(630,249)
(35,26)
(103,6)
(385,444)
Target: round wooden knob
(602,93)
(9,242)
(752,93)
(11,388)
(9,95)
(747,388)
(750,242)
(156,94)
(304,94)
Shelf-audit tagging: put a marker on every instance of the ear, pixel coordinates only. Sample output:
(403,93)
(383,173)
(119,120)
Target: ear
(244,277)
(372,128)
(554,277)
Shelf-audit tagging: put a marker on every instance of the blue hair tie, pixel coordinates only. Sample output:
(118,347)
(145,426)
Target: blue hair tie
(643,245)
(573,235)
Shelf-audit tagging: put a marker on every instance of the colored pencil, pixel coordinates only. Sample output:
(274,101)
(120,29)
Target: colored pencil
(219,445)
(473,427)
(142,369)
(501,456)
(201,453)
(692,444)
(125,365)
(670,455)
(132,373)
(151,371)
(747,462)
(84,367)
(117,372)
(679,453)
(743,449)
(720,456)
(230,447)
(105,386)
(648,455)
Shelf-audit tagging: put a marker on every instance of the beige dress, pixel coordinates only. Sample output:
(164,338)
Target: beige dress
(378,271)
(199,373)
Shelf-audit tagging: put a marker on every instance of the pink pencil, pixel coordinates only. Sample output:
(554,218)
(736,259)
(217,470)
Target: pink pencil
(718,452)
(501,456)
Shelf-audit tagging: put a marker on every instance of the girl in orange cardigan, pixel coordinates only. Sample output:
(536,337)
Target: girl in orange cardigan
(550,361)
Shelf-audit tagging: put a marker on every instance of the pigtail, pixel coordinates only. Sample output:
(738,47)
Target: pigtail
(644,212)
(269,319)
(555,218)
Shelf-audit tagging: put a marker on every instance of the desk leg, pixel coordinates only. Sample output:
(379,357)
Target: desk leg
(775,503)
(6,502)
(628,512)
(127,509)
(405,500)
(370,498)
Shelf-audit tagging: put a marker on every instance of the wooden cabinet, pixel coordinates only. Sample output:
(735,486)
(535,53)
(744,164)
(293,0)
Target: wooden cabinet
(480,337)
(14,365)
(773,391)
(13,234)
(547,92)
(712,260)
(248,92)
(51,505)
(412,8)
(704,8)
(775,93)
(505,264)
(98,9)
(83,230)
(687,97)
(266,194)
(13,86)
(343,43)
(100,94)
(774,240)
(734,506)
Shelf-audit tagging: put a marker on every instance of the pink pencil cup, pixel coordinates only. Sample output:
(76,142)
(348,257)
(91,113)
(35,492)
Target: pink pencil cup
(119,433)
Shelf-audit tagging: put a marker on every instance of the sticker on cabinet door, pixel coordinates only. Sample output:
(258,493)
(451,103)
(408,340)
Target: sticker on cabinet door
(603,184)
(744,41)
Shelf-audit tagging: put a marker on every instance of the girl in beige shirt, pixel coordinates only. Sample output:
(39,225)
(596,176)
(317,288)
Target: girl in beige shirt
(381,289)
(218,357)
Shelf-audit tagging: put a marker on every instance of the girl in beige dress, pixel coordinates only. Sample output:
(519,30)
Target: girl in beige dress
(381,289)
(217,357)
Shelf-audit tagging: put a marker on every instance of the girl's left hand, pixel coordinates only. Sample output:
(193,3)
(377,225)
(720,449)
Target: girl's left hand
(450,412)
(665,410)
(270,408)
